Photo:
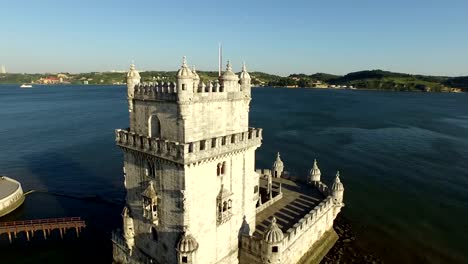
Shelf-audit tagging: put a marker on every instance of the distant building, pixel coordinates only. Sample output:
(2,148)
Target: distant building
(193,193)
(49,80)
(3,70)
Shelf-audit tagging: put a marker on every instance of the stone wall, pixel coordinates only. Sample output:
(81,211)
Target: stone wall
(218,243)
(207,115)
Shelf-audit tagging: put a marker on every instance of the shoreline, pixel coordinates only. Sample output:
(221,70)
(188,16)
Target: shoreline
(346,249)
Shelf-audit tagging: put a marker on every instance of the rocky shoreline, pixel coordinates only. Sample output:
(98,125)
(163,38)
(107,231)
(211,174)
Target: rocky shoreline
(346,249)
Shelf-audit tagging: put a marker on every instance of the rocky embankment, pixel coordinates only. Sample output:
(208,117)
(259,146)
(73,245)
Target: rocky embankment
(346,249)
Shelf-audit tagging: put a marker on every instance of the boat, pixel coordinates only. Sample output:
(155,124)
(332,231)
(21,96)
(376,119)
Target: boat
(11,195)
(26,85)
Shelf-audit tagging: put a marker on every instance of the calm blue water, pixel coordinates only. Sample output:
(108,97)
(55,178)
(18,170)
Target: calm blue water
(403,158)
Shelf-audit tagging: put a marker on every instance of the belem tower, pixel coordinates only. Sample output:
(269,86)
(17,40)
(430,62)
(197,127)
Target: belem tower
(193,192)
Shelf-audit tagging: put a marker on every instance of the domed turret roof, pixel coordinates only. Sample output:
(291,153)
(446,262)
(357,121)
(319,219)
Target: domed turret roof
(132,73)
(278,162)
(274,233)
(337,185)
(244,74)
(184,71)
(187,243)
(315,169)
(195,74)
(229,75)
(150,192)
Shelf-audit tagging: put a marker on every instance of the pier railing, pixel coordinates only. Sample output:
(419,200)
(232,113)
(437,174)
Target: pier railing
(44,225)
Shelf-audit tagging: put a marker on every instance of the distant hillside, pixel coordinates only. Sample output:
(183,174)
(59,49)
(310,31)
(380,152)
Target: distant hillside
(371,79)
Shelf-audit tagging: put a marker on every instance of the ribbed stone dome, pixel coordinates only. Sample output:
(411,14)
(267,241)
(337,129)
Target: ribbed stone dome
(315,169)
(278,162)
(274,233)
(184,71)
(337,185)
(244,74)
(187,244)
(229,75)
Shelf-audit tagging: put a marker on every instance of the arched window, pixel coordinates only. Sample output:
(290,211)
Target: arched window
(218,169)
(154,234)
(154,127)
(229,204)
(225,206)
(155,208)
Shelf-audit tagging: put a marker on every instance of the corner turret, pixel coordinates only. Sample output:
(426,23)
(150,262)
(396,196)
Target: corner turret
(337,190)
(196,79)
(272,243)
(278,167)
(133,78)
(185,81)
(314,175)
(229,80)
(245,80)
(186,249)
(128,232)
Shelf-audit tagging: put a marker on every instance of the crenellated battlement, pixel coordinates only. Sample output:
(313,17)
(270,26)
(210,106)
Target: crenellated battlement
(186,153)
(167,91)
(309,220)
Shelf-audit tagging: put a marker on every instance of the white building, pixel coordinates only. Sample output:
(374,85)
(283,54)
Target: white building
(193,194)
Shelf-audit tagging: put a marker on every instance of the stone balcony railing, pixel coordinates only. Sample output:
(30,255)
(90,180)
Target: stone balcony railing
(186,153)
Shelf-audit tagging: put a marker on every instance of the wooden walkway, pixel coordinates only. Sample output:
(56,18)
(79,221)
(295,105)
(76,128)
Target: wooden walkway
(44,225)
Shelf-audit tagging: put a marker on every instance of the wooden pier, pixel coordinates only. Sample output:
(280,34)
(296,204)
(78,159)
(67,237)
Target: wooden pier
(44,225)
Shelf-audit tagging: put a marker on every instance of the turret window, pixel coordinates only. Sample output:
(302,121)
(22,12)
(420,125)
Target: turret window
(184,260)
(274,249)
(184,86)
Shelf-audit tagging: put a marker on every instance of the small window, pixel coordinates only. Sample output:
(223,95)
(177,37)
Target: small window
(223,168)
(155,208)
(274,249)
(256,189)
(184,86)
(151,171)
(190,148)
(184,260)
(233,139)
(202,145)
(218,169)
(223,141)
(213,143)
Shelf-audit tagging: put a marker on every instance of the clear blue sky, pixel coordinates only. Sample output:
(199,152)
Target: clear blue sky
(281,37)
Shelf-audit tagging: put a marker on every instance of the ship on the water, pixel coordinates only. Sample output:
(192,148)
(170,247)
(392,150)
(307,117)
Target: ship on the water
(11,195)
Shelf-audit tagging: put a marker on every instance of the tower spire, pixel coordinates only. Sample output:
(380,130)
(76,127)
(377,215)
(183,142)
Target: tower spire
(220,58)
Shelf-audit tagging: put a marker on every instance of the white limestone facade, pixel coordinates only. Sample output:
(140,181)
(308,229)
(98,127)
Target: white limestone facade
(193,195)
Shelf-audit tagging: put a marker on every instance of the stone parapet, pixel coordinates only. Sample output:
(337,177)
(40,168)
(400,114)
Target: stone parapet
(308,220)
(322,187)
(186,153)
(167,91)
(268,203)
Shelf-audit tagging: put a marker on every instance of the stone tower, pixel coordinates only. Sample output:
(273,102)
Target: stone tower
(314,174)
(189,169)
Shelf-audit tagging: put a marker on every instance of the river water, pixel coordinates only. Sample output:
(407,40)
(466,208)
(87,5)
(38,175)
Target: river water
(403,159)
